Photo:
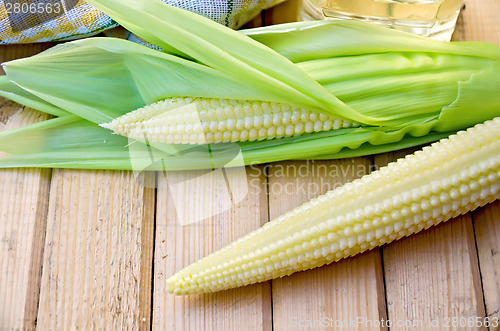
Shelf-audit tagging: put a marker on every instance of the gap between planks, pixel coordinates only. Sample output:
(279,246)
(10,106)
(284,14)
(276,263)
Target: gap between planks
(23,209)
(351,290)
(98,251)
(435,276)
(198,213)
(463,230)
(432,277)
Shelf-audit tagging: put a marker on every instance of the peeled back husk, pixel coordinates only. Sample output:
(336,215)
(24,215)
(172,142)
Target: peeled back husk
(403,89)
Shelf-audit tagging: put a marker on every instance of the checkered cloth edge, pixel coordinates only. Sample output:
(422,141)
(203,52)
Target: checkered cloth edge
(29,21)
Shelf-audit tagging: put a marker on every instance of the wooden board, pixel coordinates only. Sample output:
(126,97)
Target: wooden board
(199,212)
(335,295)
(488,246)
(432,278)
(23,208)
(480,22)
(92,249)
(98,252)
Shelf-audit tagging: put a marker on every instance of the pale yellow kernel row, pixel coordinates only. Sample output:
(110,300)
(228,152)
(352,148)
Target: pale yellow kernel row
(202,120)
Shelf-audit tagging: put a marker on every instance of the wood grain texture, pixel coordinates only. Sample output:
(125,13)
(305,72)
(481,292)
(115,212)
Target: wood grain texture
(284,12)
(337,294)
(96,234)
(98,252)
(432,277)
(254,23)
(12,52)
(435,274)
(487,226)
(479,21)
(197,213)
(23,209)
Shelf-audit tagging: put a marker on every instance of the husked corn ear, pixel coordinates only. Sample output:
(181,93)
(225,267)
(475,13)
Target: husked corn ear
(203,121)
(442,181)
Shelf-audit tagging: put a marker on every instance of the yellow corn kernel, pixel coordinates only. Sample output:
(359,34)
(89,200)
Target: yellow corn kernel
(204,121)
(442,181)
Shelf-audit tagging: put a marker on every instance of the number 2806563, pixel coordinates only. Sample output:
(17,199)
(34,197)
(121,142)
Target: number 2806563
(33,8)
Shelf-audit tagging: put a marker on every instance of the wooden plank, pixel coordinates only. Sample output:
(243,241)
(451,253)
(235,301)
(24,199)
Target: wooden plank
(98,252)
(348,294)
(284,12)
(23,209)
(432,277)
(254,23)
(488,245)
(12,52)
(480,22)
(199,212)
(438,269)
(23,206)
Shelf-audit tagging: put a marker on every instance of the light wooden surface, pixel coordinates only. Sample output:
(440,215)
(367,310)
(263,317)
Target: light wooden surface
(433,275)
(92,249)
(23,209)
(342,291)
(488,247)
(184,235)
(98,252)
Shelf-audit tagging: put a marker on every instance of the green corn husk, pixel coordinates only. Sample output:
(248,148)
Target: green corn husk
(405,90)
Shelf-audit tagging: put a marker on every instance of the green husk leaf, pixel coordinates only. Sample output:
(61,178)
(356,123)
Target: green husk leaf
(118,76)
(304,41)
(406,87)
(71,142)
(403,88)
(225,50)
(411,88)
(478,100)
(13,92)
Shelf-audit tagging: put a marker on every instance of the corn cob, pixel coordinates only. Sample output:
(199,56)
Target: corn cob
(204,121)
(442,181)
